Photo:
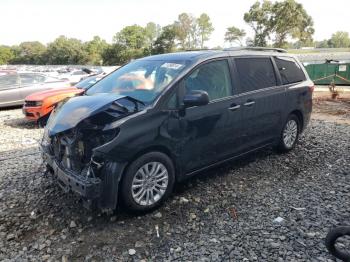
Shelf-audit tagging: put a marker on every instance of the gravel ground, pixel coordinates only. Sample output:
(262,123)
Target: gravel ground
(264,207)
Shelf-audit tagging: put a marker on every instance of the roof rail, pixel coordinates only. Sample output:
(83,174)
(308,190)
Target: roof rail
(279,50)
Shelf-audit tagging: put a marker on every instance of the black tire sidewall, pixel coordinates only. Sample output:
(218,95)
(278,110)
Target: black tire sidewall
(128,177)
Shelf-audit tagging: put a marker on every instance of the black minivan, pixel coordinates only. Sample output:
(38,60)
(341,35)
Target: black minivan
(160,119)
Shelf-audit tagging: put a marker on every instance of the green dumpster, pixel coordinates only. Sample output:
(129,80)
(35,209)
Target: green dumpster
(328,73)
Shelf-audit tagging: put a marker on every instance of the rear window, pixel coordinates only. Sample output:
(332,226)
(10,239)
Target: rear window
(290,70)
(255,73)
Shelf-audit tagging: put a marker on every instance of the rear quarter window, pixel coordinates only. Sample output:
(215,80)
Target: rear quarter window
(255,73)
(290,70)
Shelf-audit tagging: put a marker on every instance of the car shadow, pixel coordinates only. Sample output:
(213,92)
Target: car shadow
(222,170)
(9,108)
(22,123)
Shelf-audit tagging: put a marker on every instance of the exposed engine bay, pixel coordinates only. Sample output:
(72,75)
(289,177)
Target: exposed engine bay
(74,132)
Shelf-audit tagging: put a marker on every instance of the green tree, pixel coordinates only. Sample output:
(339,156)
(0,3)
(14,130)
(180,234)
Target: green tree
(132,37)
(186,29)
(6,55)
(152,31)
(115,54)
(285,19)
(65,51)
(30,53)
(259,19)
(205,28)
(289,19)
(340,39)
(165,43)
(95,49)
(234,35)
(322,44)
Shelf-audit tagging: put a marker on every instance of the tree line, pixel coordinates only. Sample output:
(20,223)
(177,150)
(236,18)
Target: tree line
(284,24)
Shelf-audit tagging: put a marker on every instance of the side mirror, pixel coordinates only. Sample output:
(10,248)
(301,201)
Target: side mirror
(196,98)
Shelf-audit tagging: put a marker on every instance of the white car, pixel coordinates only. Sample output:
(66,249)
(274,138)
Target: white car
(74,76)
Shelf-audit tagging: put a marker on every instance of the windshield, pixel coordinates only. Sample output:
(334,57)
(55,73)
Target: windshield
(87,82)
(143,80)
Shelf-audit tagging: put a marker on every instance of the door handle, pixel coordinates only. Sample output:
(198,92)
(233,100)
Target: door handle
(234,107)
(249,103)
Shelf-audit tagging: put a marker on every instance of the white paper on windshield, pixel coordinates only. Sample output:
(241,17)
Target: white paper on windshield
(172,65)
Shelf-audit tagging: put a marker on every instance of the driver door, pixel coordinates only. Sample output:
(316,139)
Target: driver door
(210,132)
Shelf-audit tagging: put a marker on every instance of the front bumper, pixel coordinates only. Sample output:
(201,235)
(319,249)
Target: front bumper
(32,113)
(87,188)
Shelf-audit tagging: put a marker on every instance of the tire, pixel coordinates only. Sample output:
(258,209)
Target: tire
(158,185)
(290,129)
(331,239)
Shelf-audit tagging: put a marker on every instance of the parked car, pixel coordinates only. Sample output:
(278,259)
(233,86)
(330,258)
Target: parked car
(75,76)
(39,105)
(123,140)
(6,72)
(14,87)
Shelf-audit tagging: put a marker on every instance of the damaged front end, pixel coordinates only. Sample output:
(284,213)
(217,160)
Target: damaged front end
(71,137)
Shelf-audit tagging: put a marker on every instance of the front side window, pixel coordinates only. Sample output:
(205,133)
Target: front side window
(213,77)
(27,79)
(255,73)
(40,78)
(290,70)
(142,79)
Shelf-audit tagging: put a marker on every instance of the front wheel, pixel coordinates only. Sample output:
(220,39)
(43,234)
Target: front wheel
(148,182)
(289,135)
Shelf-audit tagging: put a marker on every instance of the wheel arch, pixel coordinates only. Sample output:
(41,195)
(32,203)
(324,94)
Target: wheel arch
(300,117)
(155,148)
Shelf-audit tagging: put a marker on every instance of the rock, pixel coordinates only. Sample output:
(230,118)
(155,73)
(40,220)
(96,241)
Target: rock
(184,200)
(138,244)
(10,237)
(132,252)
(193,216)
(113,218)
(275,245)
(158,215)
(72,224)
(178,249)
(278,220)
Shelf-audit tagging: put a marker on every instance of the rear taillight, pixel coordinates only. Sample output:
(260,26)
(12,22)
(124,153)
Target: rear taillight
(311,88)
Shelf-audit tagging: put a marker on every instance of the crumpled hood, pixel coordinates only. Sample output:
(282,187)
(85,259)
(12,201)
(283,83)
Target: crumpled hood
(69,114)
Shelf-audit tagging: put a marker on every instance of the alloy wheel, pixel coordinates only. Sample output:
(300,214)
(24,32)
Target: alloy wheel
(149,183)
(290,133)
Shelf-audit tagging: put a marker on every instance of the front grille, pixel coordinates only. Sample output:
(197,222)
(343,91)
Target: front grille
(30,103)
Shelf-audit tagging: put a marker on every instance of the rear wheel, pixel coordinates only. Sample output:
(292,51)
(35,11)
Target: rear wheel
(289,135)
(148,182)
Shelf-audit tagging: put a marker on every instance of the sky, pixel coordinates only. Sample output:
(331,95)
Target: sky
(44,20)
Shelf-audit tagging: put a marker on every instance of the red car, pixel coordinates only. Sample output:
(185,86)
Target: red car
(39,105)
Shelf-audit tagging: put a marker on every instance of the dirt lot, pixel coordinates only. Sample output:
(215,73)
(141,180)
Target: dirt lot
(265,207)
